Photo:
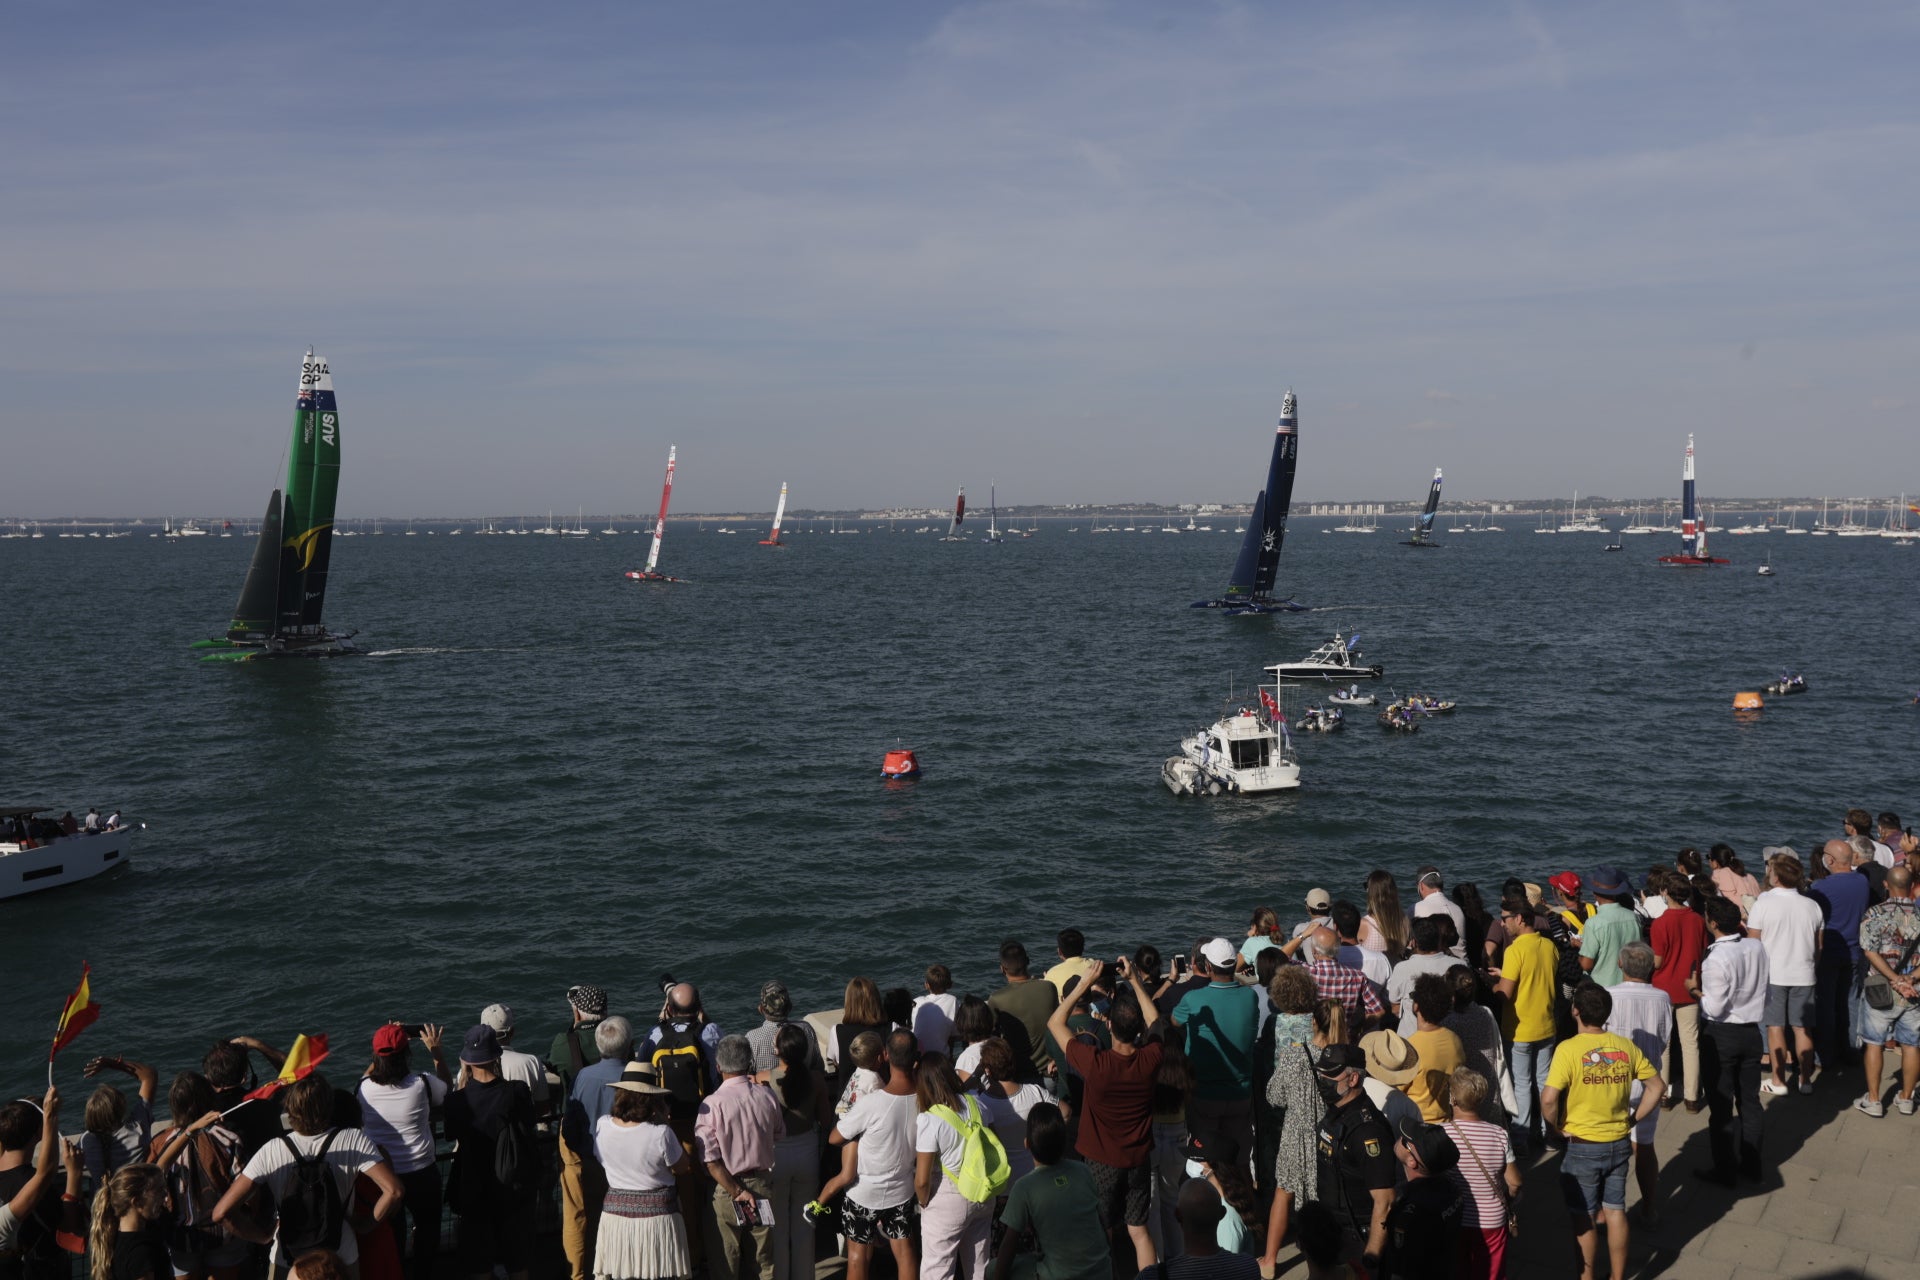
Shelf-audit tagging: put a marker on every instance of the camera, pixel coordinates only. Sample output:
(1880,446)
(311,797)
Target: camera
(667,983)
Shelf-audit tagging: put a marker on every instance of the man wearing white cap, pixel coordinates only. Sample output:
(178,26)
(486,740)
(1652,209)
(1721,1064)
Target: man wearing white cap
(1220,1021)
(1319,904)
(514,1065)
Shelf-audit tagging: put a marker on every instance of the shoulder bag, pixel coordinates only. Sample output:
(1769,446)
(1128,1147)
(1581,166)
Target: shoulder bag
(1499,1184)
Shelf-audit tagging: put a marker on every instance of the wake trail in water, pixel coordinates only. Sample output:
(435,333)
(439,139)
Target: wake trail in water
(395,653)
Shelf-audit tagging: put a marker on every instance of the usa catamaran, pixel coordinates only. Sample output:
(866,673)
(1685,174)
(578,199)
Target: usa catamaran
(649,573)
(286,587)
(779,510)
(959,514)
(1422,531)
(1250,589)
(1693,533)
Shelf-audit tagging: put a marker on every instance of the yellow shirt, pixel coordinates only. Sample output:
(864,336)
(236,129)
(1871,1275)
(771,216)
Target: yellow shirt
(1595,1074)
(1440,1052)
(1531,962)
(1067,970)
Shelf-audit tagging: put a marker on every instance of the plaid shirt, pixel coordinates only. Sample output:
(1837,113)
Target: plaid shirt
(1335,981)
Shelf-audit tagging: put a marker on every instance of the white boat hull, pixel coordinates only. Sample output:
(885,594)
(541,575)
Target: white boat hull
(67,860)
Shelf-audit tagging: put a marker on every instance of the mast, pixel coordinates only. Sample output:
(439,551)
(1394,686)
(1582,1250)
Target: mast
(660,524)
(306,513)
(993,513)
(1693,538)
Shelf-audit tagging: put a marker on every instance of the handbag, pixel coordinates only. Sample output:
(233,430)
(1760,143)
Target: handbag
(1877,990)
(1499,1186)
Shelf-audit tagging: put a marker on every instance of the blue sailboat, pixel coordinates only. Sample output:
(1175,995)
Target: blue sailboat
(1250,589)
(1423,531)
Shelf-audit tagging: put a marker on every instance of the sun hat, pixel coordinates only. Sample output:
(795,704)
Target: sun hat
(640,1077)
(1608,881)
(1534,892)
(589,1000)
(480,1047)
(499,1017)
(1390,1059)
(1437,1152)
(1773,851)
(1219,953)
(390,1039)
(1565,882)
(1318,900)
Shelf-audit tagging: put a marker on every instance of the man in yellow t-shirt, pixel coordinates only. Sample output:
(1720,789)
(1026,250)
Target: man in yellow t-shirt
(1587,1098)
(1438,1047)
(1527,981)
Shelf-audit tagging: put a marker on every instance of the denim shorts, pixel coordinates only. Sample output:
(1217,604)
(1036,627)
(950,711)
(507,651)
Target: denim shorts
(1787,1006)
(1900,1024)
(1593,1175)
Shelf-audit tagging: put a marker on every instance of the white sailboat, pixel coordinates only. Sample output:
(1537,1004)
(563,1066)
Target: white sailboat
(779,510)
(993,516)
(650,573)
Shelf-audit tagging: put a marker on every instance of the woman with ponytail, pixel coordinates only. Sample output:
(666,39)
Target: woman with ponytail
(1264,932)
(129,1226)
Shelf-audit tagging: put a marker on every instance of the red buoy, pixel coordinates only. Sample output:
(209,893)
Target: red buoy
(900,763)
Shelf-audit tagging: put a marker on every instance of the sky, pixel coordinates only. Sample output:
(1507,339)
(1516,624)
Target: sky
(1075,249)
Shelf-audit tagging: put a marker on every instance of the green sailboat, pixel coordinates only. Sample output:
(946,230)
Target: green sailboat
(279,613)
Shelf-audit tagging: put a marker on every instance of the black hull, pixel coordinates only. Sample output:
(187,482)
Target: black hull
(1238,605)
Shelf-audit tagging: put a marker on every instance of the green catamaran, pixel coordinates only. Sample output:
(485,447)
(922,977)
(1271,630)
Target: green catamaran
(286,588)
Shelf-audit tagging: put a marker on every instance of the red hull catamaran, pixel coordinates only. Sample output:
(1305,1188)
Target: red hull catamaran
(1693,530)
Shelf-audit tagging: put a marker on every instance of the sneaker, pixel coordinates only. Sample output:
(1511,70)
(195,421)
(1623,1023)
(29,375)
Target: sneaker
(1806,1086)
(1869,1106)
(1903,1105)
(1770,1085)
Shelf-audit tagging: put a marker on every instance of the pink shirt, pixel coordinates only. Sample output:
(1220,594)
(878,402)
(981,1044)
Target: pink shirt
(738,1126)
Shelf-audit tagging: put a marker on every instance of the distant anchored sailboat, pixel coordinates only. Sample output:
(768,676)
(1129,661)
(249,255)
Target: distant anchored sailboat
(1250,590)
(650,574)
(1423,529)
(286,588)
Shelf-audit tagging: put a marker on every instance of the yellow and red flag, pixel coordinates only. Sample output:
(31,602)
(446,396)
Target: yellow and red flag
(77,1016)
(306,1054)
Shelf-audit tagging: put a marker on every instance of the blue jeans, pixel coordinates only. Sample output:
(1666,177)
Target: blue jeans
(1529,1060)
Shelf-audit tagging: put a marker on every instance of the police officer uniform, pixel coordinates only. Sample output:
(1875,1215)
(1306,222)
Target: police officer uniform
(1355,1146)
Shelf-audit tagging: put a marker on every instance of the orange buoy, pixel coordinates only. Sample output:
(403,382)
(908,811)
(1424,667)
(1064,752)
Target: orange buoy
(1747,701)
(900,763)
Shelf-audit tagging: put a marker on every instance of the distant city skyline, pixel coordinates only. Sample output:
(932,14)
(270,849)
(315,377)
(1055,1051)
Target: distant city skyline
(874,249)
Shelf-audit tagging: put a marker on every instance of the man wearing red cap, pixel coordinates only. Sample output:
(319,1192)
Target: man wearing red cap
(1572,912)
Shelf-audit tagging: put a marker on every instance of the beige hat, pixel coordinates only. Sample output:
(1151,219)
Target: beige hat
(640,1077)
(1390,1059)
(1318,900)
(1534,893)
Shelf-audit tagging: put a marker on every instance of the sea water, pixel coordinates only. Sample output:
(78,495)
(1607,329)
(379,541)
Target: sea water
(550,775)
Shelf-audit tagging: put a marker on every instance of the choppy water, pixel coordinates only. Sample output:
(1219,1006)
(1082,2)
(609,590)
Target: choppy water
(554,776)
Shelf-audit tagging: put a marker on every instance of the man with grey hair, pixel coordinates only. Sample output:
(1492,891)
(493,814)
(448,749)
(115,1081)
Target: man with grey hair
(735,1133)
(590,1099)
(1642,1013)
(1434,901)
(1890,940)
(1865,863)
(775,1005)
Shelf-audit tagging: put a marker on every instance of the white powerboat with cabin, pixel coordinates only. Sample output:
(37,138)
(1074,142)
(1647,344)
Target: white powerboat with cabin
(36,853)
(1243,752)
(1338,659)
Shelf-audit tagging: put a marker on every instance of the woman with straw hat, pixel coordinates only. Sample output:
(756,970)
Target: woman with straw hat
(642,1236)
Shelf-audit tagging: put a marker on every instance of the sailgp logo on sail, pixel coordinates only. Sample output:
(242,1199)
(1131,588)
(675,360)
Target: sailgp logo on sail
(328,426)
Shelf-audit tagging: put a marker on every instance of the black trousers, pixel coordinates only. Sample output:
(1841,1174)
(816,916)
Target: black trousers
(422,1206)
(1730,1057)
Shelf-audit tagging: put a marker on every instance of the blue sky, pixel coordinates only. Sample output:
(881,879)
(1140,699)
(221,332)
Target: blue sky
(878,250)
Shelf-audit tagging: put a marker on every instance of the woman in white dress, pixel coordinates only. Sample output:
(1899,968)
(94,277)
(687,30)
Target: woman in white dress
(642,1236)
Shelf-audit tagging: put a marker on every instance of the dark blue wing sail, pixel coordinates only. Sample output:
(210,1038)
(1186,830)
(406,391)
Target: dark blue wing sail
(1246,568)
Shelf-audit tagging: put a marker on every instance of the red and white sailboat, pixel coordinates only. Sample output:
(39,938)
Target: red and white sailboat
(779,511)
(1693,530)
(650,574)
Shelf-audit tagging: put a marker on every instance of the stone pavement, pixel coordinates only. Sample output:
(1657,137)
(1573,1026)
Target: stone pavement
(1840,1198)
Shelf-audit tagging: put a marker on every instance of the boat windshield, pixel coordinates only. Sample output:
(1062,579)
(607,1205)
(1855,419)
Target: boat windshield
(1252,753)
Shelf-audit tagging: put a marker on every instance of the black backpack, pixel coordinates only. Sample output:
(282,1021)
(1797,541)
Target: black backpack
(312,1210)
(513,1159)
(681,1060)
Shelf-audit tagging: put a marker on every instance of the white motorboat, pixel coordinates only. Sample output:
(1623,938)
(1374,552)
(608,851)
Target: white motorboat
(1351,697)
(36,854)
(1338,659)
(1320,720)
(1243,752)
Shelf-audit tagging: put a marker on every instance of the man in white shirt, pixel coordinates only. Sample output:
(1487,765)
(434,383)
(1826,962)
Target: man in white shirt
(1788,925)
(933,1012)
(1733,1001)
(1428,957)
(1642,1013)
(514,1065)
(92,823)
(1434,902)
(879,1206)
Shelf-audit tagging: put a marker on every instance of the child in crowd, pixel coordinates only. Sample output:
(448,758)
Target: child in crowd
(865,1052)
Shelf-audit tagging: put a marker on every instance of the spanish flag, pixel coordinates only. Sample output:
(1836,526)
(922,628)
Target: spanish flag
(77,1016)
(306,1054)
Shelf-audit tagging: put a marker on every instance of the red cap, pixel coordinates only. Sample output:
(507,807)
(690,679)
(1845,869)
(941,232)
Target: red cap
(391,1038)
(1566,882)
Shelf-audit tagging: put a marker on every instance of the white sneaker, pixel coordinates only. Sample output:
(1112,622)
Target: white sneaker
(1871,1106)
(1903,1105)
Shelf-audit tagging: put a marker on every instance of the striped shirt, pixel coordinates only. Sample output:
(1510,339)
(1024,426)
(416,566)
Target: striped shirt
(1482,1203)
